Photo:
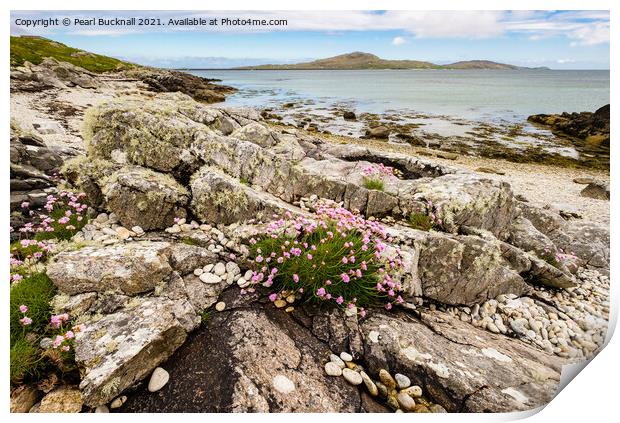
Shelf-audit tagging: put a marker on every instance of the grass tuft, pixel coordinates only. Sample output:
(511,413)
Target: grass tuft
(372,183)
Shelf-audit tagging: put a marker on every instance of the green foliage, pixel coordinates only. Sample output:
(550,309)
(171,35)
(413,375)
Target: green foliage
(25,360)
(21,252)
(63,231)
(421,221)
(205,316)
(374,183)
(190,241)
(35,291)
(35,49)
(336,259)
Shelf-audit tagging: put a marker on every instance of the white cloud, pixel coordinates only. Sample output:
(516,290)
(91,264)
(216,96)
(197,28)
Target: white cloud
(581,27)
(397,41)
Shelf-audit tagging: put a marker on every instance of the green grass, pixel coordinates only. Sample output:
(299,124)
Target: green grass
(373,183)
(35,291)
(34,50)
(421,221)
(25,360)
(205,316)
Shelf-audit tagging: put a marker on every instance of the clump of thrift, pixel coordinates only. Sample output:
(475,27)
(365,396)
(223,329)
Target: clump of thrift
(335,257)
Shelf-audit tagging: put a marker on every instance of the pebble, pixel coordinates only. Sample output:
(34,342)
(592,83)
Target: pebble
(242,283)
(383,391)
(290,299)
(402,381)
(279,303)
(198,271)
(232,268)
(387,379)
(122,232)
(283,384)
(158,380)
(102,409)
(210,278)
(248,275)
(332,369)
(220,306)
(413,391)
(208,268)
(219,269)
(346,356)
(289,309)
(405,401)
(370,385)
(118,402)
(353,377)
(137,230)
(336,360)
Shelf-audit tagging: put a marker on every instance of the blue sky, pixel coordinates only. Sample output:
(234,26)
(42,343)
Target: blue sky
(556,39)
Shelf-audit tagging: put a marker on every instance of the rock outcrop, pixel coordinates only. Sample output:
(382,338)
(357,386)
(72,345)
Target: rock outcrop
(201,89)
(51,73)
(463,368)
(590,127)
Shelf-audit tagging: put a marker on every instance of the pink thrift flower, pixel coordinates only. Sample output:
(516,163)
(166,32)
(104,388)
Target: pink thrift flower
(23,308)
(69,335)
(273,297)
(25,321)
(66,348)
(320,292)
(340,300)
(345,278)
(295,278)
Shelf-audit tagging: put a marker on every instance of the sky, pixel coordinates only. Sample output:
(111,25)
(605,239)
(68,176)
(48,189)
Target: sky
(555,39)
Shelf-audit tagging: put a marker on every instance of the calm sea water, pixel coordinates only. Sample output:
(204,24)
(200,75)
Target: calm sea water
(469,94)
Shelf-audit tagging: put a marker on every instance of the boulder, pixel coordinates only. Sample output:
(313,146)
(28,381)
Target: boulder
(256,133)
(65,399)
(380,132)
(24,398)
(466,270)
(219,198)
(142,197)
(252,359)
(461,367)
(596,190)
(130,268)
(349,115)
(122,348)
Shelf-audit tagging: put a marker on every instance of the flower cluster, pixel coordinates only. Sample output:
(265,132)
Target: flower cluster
(560,258)
(25,321)
(375,176)
(63,340)
(60,218)
(336,256)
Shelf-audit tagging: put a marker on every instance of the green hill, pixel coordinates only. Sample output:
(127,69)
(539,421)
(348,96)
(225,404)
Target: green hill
(359,60)
(35,49)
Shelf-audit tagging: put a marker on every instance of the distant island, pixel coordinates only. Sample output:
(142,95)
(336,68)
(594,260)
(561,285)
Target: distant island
(359,60)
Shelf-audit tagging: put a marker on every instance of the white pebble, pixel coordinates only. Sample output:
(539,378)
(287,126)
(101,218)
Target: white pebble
(198,271)
(220,306)
(332,369)
(353,377)
(336,360)
(219,269)
(346,356)
(158,380)
(210,278)
(402,381)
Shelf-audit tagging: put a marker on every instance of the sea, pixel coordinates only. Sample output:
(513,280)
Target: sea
(481,95)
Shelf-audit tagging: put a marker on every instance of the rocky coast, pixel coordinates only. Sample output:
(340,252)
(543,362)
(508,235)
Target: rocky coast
(502,277)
